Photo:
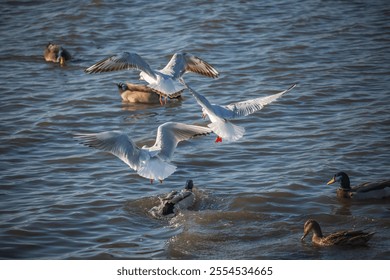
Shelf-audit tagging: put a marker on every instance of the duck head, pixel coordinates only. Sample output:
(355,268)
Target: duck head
(122,87)
(311,225)
(189,185)
(342,178)
(61,56)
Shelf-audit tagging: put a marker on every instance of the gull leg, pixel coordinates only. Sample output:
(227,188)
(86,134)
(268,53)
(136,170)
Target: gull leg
(219,139)
(161,101)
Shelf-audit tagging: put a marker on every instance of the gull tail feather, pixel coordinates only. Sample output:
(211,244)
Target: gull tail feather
(167,87)
(156,169)
(227,131)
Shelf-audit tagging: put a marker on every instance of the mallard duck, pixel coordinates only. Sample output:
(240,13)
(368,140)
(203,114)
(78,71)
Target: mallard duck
(139,94)
(345,237)
(220,115)
(167,81)
(379,189)
(175,201)
(149,162)
(55,53)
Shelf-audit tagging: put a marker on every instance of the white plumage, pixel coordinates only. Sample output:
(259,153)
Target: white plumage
(165,81)
(220,116)
(148,162)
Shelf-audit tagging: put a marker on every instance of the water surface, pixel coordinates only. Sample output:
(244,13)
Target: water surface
(61,200)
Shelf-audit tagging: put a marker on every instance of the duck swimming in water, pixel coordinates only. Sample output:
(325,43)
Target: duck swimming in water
(134,93)
(343,238)
(175,201)
(167,81)
(379,189)
(56,53)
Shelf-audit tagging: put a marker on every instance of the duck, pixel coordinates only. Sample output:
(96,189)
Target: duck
(56,53)
(342,238)
(378,189)
(167,81)
(152,162)
(173,202)
(134,93)
(220,116)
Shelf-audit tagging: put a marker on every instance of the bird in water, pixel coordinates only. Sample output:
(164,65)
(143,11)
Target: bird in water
(168,82)
(175,201)
(378,189)
(149,162)
(220,116)
(134,93)
(343,238)
(56,53)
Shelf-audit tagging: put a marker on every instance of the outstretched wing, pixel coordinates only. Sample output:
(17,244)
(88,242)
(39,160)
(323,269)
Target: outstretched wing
(181,63)
(210,109)
(171,133)
(245,108)
(122,61)
(116,143)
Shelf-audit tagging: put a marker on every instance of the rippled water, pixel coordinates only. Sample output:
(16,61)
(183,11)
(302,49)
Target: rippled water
(61,200)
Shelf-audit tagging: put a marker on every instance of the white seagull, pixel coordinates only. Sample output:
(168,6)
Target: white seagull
(166,81)
(148,162)
(220,115)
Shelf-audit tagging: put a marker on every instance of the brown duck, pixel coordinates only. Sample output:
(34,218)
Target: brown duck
(134,93)
(56,53)
(341,238)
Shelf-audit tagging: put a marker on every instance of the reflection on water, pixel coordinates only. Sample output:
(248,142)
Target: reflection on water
(61,200)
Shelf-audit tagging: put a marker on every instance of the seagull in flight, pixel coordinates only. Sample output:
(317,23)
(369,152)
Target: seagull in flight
(220,116)
(149,162)
(168,81)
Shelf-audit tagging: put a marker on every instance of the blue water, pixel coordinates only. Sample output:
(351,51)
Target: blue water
(61,200)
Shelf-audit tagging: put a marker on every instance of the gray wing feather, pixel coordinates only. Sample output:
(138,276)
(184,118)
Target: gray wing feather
(245,108)
(171,133)
(122,61)
(116,143)
(181,63)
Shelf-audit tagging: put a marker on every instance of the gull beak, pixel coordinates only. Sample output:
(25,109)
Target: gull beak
(333,180)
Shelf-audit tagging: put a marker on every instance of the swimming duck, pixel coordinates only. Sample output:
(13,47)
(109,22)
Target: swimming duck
(149,162)
(167,81)
(55,53)
(379,189)
(220,115)
(346,237)
(139,94)
(175,201)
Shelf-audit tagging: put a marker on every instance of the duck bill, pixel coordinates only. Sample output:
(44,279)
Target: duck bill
(333,180)
(303,236)
(62,61)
